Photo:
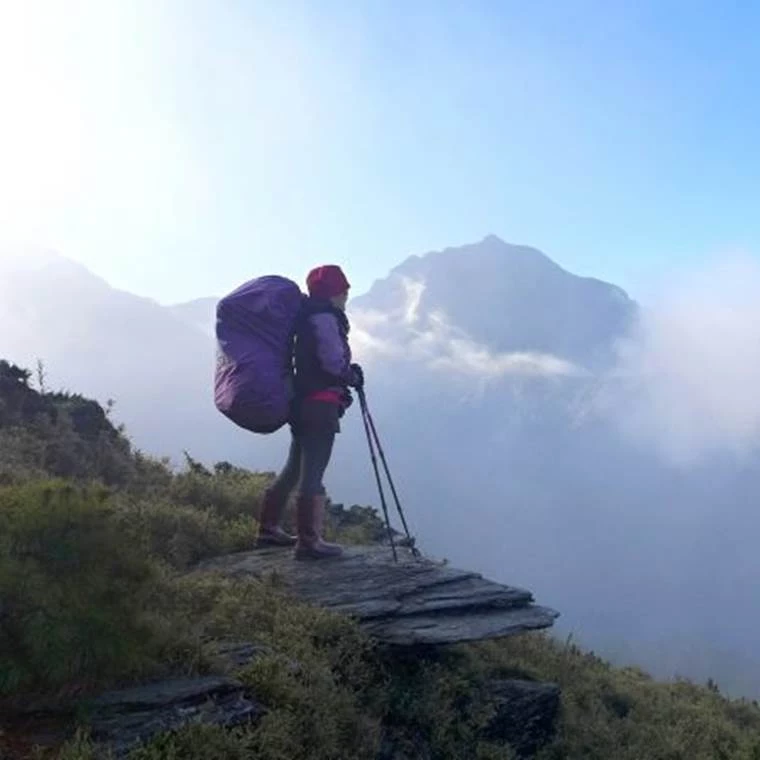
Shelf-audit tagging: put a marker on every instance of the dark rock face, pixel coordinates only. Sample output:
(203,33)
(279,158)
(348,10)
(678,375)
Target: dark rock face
(526,714)
(525,718)
(121,719)
(410,603)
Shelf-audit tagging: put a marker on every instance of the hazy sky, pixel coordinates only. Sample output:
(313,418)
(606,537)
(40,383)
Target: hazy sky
(178,147)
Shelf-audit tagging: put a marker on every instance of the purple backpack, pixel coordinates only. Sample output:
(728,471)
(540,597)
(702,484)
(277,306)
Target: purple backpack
(255,328)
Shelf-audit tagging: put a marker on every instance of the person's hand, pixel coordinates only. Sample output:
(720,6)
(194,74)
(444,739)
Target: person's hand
(357,376)
(346,400)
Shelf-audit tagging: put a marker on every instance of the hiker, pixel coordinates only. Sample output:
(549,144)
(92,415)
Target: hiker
(323,375)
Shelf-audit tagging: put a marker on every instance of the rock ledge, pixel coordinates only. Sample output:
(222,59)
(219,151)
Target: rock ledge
(414,602)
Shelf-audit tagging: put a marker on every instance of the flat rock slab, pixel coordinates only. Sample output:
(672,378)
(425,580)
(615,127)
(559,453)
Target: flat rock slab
(415,601)
(120,720)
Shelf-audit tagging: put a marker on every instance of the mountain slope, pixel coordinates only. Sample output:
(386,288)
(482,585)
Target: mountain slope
(157,365)
(199,313)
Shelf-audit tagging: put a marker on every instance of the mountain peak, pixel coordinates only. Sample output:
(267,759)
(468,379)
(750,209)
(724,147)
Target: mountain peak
(492,241)
(32,260)
(489,257)
(508,297)
(26,258)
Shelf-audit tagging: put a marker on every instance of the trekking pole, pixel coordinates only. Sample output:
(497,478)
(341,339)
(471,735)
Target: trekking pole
(371,423)
(365,418)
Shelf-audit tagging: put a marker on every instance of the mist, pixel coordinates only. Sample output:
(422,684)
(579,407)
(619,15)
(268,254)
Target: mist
(687,379)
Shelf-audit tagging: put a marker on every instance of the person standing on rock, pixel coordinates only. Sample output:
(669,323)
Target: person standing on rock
(323,375)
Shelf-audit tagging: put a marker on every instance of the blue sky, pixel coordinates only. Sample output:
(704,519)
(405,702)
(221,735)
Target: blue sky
(177,148)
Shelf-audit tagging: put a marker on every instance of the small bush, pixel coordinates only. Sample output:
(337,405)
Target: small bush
(357,525)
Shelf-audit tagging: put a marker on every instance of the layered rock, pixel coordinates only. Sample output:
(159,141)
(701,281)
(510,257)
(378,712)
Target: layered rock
(413,602)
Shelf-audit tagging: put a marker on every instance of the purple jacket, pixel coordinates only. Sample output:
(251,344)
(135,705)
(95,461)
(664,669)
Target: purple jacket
(322,352)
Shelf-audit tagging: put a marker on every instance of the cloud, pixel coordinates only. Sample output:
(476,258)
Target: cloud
(470,358)
(414,291)
(407,333)
(687,380)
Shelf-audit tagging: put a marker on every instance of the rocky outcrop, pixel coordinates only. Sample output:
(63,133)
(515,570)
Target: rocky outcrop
(526,714)
(413,602)
(121,719)
(525,717)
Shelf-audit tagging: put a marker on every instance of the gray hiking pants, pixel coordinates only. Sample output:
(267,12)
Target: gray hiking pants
(313,431)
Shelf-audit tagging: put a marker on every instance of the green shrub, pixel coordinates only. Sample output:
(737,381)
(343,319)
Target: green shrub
(22,456)
(59,434)
(230,491)
(197,743)
(182,535)
(77,599)
(357,525)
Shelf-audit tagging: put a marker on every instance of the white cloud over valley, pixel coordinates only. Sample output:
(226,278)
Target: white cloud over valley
(433,341)
(688,377)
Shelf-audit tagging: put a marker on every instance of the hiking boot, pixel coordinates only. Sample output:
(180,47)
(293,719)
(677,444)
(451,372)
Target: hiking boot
(310,517)
(270,530)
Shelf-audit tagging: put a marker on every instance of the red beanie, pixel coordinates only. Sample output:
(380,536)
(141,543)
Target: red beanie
(327,282)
